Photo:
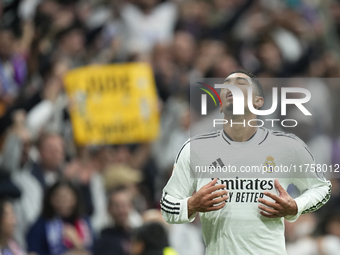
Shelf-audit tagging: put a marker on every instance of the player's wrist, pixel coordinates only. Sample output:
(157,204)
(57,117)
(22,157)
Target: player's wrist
(191,207)
(294,208)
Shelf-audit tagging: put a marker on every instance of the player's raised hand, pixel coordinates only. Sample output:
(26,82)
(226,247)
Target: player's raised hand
(284,204)
(207,198)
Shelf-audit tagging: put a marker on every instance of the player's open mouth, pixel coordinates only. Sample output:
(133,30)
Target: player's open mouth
(229,95)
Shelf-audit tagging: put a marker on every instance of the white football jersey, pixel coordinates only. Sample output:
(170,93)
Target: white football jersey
(239,228)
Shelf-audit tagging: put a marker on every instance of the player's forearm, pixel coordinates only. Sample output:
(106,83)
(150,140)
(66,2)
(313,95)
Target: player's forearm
(312,199)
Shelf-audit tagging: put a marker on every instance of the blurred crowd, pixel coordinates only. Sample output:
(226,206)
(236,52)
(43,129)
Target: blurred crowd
(61,198)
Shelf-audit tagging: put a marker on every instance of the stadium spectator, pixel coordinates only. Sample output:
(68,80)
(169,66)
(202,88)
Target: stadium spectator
(86,172)
(12,70)
(8,245)
(116,240)
(51,150)
(151,239)
(117,175)
(62,227)
(148,22)
(17,162)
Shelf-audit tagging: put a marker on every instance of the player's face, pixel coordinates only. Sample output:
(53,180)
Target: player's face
(243,82)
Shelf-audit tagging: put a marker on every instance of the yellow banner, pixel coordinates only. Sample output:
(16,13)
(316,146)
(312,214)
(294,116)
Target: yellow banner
(113,104)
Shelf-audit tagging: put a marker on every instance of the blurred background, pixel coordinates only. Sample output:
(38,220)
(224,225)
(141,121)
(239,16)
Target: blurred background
(62,198)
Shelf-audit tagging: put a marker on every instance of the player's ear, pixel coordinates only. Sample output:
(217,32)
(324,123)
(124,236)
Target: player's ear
(220,108)
(258,102)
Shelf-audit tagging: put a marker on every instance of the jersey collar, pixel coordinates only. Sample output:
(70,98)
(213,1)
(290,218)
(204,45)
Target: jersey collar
(254,140)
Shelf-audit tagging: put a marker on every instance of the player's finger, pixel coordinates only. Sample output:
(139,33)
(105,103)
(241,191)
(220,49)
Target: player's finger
(217,194)
(270,204)
(212,183)
(218,200)
(268,210)
(273,196)
(216,208)
(269,215)
(279,187)
(216,187)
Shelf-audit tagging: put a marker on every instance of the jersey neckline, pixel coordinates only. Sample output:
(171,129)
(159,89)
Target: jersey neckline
(257,139)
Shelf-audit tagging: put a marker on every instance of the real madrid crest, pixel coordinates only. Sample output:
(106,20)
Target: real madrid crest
(269,164)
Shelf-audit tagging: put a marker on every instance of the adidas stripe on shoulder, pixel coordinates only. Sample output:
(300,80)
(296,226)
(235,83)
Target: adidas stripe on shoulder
(197,137)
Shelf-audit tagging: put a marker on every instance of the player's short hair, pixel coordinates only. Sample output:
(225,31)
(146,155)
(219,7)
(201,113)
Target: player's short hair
(258,86)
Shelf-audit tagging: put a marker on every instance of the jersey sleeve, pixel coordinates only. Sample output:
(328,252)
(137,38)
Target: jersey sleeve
(174,202)
(315,189)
